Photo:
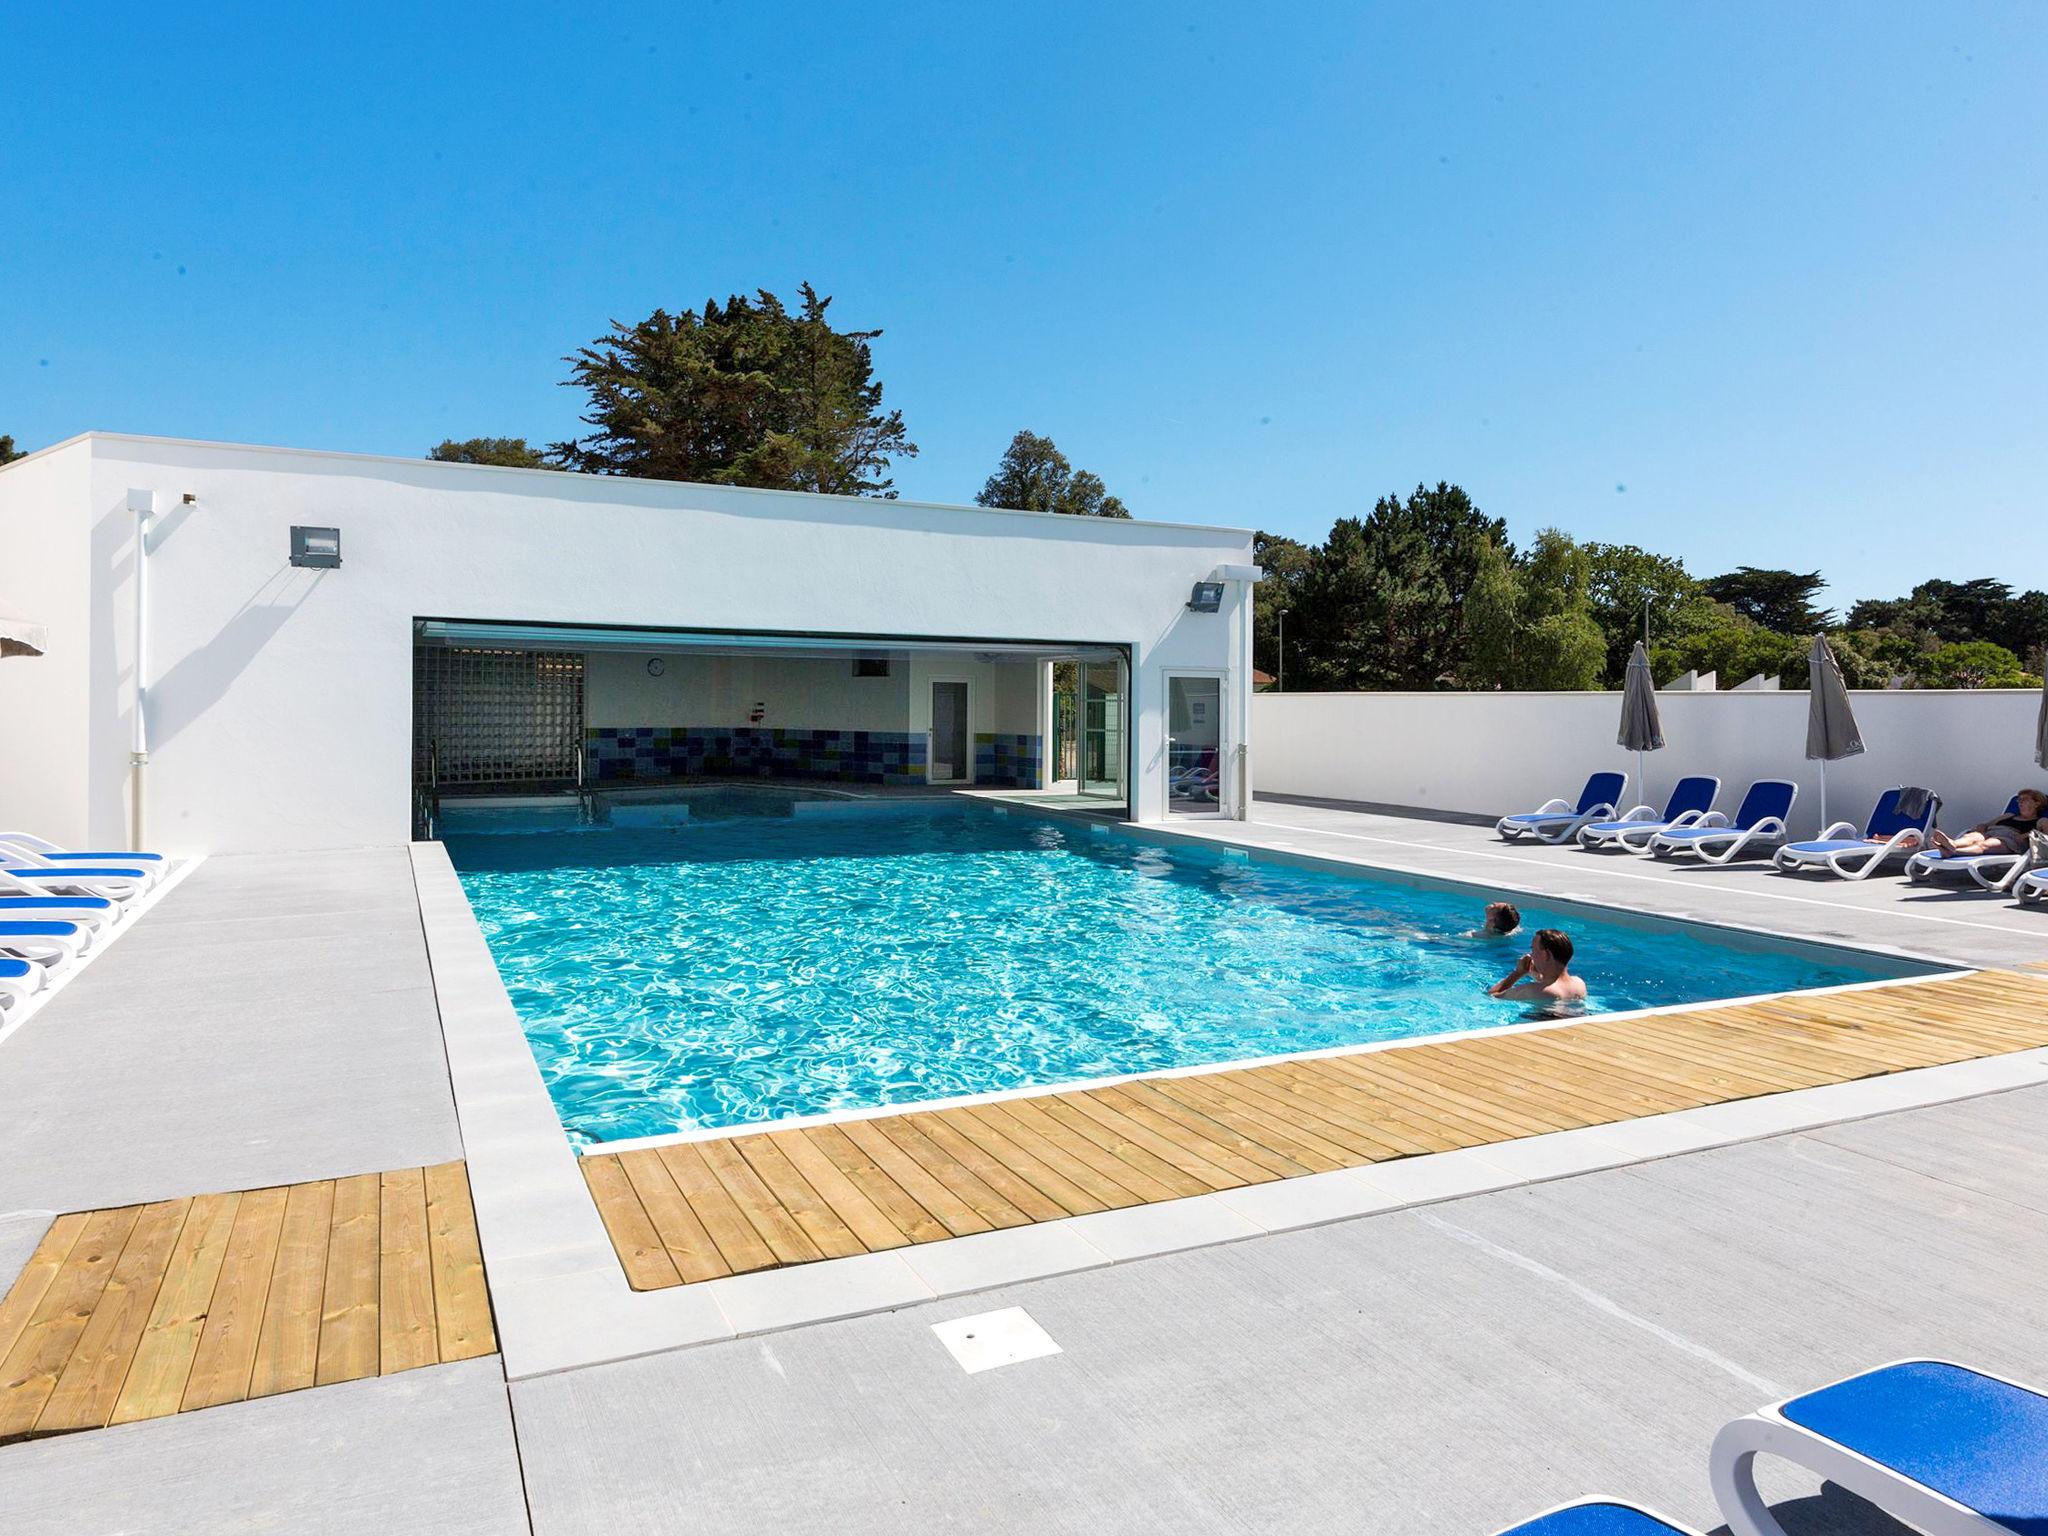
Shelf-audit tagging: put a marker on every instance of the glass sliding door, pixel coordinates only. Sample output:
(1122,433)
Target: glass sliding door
(1194,746)
(950,741)
(1103,724)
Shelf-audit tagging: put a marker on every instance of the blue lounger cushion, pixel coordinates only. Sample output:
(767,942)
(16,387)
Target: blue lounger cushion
(1597,1519)
(124,856)
(14,904)
(1830,845)
(88,873)
(13,969)
(1969,1437)
(14,930)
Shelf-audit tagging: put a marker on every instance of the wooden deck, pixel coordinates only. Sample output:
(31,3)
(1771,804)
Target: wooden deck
(692,1211)
(157,1309)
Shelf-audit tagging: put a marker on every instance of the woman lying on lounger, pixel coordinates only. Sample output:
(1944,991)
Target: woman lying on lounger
(2001,834)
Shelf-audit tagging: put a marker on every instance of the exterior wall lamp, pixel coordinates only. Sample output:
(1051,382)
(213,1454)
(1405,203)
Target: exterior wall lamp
(1206,598)
(319,548)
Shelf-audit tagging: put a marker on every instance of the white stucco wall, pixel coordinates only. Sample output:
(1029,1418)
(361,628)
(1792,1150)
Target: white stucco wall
(46,559)
(723,690)
(1489,753)
(281,698)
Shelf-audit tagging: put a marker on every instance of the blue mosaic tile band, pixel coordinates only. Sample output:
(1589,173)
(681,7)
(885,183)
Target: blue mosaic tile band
(1006,760)
(621,754)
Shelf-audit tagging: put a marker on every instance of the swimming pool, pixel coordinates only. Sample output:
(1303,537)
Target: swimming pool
(740,968)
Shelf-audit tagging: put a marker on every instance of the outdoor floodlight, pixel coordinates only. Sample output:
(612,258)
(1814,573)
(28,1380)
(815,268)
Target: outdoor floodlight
(317,547)
(1207,598)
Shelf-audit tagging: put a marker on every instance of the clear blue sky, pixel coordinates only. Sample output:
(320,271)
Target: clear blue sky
(1743,282)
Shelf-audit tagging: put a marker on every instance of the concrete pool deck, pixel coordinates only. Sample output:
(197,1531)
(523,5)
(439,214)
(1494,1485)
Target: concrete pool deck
(1196,1389)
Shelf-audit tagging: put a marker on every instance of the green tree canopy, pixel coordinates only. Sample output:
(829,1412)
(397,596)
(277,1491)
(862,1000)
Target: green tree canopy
(8,452)
(1034,476)
(1531,624)
(747,393)
(1382,605)
(1780,600)
(509,452)
(1287,563)
(1974,664)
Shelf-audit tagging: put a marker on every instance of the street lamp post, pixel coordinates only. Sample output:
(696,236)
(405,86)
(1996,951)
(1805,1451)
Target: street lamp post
(1280,675)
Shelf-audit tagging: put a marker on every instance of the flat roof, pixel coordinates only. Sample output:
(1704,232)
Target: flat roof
(436,465)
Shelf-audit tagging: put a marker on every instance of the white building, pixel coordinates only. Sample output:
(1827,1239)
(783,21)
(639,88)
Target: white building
(528,631)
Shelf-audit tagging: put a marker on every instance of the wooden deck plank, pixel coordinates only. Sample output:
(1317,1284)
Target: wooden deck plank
(691,1251)
(30,1286)
(779,1229)
(288,1347)
(462,1303)
(820,1223)
(405,1274)
(29,1373)
(866,1220)
(632,1231)
(738,1244)
(226,1356)
(85,1393)
(906,1213)
(348,1304)
(920,1175)
(155,1383)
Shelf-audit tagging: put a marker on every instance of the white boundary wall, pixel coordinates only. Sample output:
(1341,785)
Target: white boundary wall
(1490,753)
(280,698)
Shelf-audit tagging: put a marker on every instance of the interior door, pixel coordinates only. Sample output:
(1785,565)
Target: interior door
(950,740)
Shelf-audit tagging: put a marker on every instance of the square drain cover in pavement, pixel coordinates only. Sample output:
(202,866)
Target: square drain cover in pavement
(990,1339)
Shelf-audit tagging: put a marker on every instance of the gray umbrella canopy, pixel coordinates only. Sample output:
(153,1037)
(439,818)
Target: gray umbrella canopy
(2041,728)
(1641,731)
(18,637)
(1831,732)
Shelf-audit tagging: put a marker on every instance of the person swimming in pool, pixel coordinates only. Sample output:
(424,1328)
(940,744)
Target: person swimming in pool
(1501,921)
(1543,975)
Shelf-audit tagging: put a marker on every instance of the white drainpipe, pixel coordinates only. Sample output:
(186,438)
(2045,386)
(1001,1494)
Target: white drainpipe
(1240,683)
(143,505)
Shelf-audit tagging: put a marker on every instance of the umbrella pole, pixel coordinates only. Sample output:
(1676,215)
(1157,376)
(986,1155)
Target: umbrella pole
(1823,794)
(1642,787)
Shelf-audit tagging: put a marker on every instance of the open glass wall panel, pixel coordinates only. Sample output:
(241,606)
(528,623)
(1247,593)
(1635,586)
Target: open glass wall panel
(1194,745)
(1103,707)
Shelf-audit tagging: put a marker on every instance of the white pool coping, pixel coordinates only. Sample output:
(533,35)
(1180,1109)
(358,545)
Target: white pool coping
(560,1291)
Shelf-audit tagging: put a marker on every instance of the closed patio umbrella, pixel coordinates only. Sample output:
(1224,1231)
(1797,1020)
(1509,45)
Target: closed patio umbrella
(2041,728)
(1641,730)
(1831,732)
(18,637)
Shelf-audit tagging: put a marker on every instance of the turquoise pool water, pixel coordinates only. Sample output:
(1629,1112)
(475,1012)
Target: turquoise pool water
(752,967)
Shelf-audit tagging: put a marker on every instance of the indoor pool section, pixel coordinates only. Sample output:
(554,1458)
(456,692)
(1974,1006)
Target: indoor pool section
(749,965)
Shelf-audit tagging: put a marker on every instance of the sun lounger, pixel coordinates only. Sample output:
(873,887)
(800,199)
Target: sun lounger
(1941,1448)
(1993,871)
(19,980)
(118,884)
(1691,798)
(1558,821)
(52,943)
(94,914)
(1840,851)
(1758,826)
(2031,886)
(27,848)
(1599,1517)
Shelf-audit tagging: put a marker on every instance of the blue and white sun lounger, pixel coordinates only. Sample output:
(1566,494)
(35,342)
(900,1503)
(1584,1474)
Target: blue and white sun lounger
(1599,1517)
(1691,798)
(19,980)
(1940,1447)
(1558,821)
(94,914)
(1840,851)
(2031,886)
(53,943)
(1758,826)
(1993,871)
(117,884)
(27,848)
